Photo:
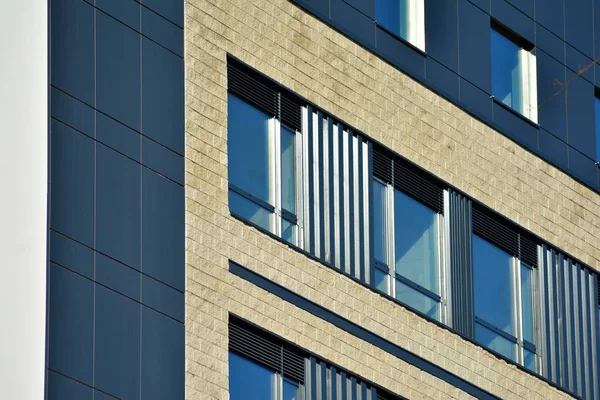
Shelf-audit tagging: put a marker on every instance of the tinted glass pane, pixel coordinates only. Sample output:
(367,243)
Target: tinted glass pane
(416,300)
(494,341)
(379,221)
(381,281)
(392,14)
(415,241)
(288,172)
(597,112)
(492,284)
(506,71)
(249,148)
(249,381)
(250,211)
(527,307)
(290,391)
(288,231)
(529,360)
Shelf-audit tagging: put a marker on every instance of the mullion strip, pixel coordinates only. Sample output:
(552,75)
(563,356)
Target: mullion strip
(332,216)
(351,199)
(342,189)
(320,171)
(311,179)
(361,214)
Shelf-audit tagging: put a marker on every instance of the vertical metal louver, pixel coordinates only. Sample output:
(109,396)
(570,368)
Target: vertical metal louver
(461,261)
(338,191)
(265,349)
(264,94)
(569,324)
(325,381)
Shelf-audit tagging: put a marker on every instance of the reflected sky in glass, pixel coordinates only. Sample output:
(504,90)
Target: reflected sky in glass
(250,211)
(248,148)
(415,241)
(417,300)
(492,284)
(381,281)
(249,381)
(506,71)
(379,233)
(288,185)
(494,341)
(290,391)
(527,303)
(393,15)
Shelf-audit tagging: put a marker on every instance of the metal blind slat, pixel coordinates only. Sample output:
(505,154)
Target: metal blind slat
(244,85)
(418,185)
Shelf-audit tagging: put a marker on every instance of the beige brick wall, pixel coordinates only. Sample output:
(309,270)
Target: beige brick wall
(305,55)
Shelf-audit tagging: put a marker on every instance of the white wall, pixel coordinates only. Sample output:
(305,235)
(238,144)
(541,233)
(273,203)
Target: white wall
(23,196)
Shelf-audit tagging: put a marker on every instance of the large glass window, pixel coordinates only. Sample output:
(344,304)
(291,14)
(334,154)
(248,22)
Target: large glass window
(251,381)
(406,249)
(263,187)
(504,303)
(404,18)
(514,75)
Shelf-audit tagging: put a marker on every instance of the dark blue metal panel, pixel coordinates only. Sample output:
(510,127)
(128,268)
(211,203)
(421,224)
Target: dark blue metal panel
(553,149)
(163,363)
(72,183)
(475,100)
(579,25)
(366,7)
(71,254)
(514,19)
(580,64)
(551,14)
(72,48)
(162,160)
(163,298)
(515,126)
(163,236)
(474,45)
(170,9)
(128,12)
(118,277)
(118,201)
(117,345)
(118,83)
(442,79)
(485,5)
(526,6)
(400,54)
(162,31)
(62,388)
(162,96)
(580,109)
(584,167)
(117,136)
(72,112)
(71,324)
(354,23)
(441,33)
(550,43)
(552,108)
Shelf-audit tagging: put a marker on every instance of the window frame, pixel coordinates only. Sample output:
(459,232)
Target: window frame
(415,23)
(278,213)
(516,306)
(388,266)
(527,60)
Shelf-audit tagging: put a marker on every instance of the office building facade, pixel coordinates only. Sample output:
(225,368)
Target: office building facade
(322,199)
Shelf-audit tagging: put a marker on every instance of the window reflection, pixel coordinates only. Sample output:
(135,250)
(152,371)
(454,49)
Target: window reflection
(288,181)
(249,150)
(250,381)
(379,231)
(290,391)
(492,281)
(415,241)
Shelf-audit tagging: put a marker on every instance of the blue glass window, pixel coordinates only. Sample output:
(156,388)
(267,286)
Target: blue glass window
(262,170)
(513,75)
(404,18)
(290,391)
(379,217)
(527,303)
(250,381)
(249,149)
(415,241)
